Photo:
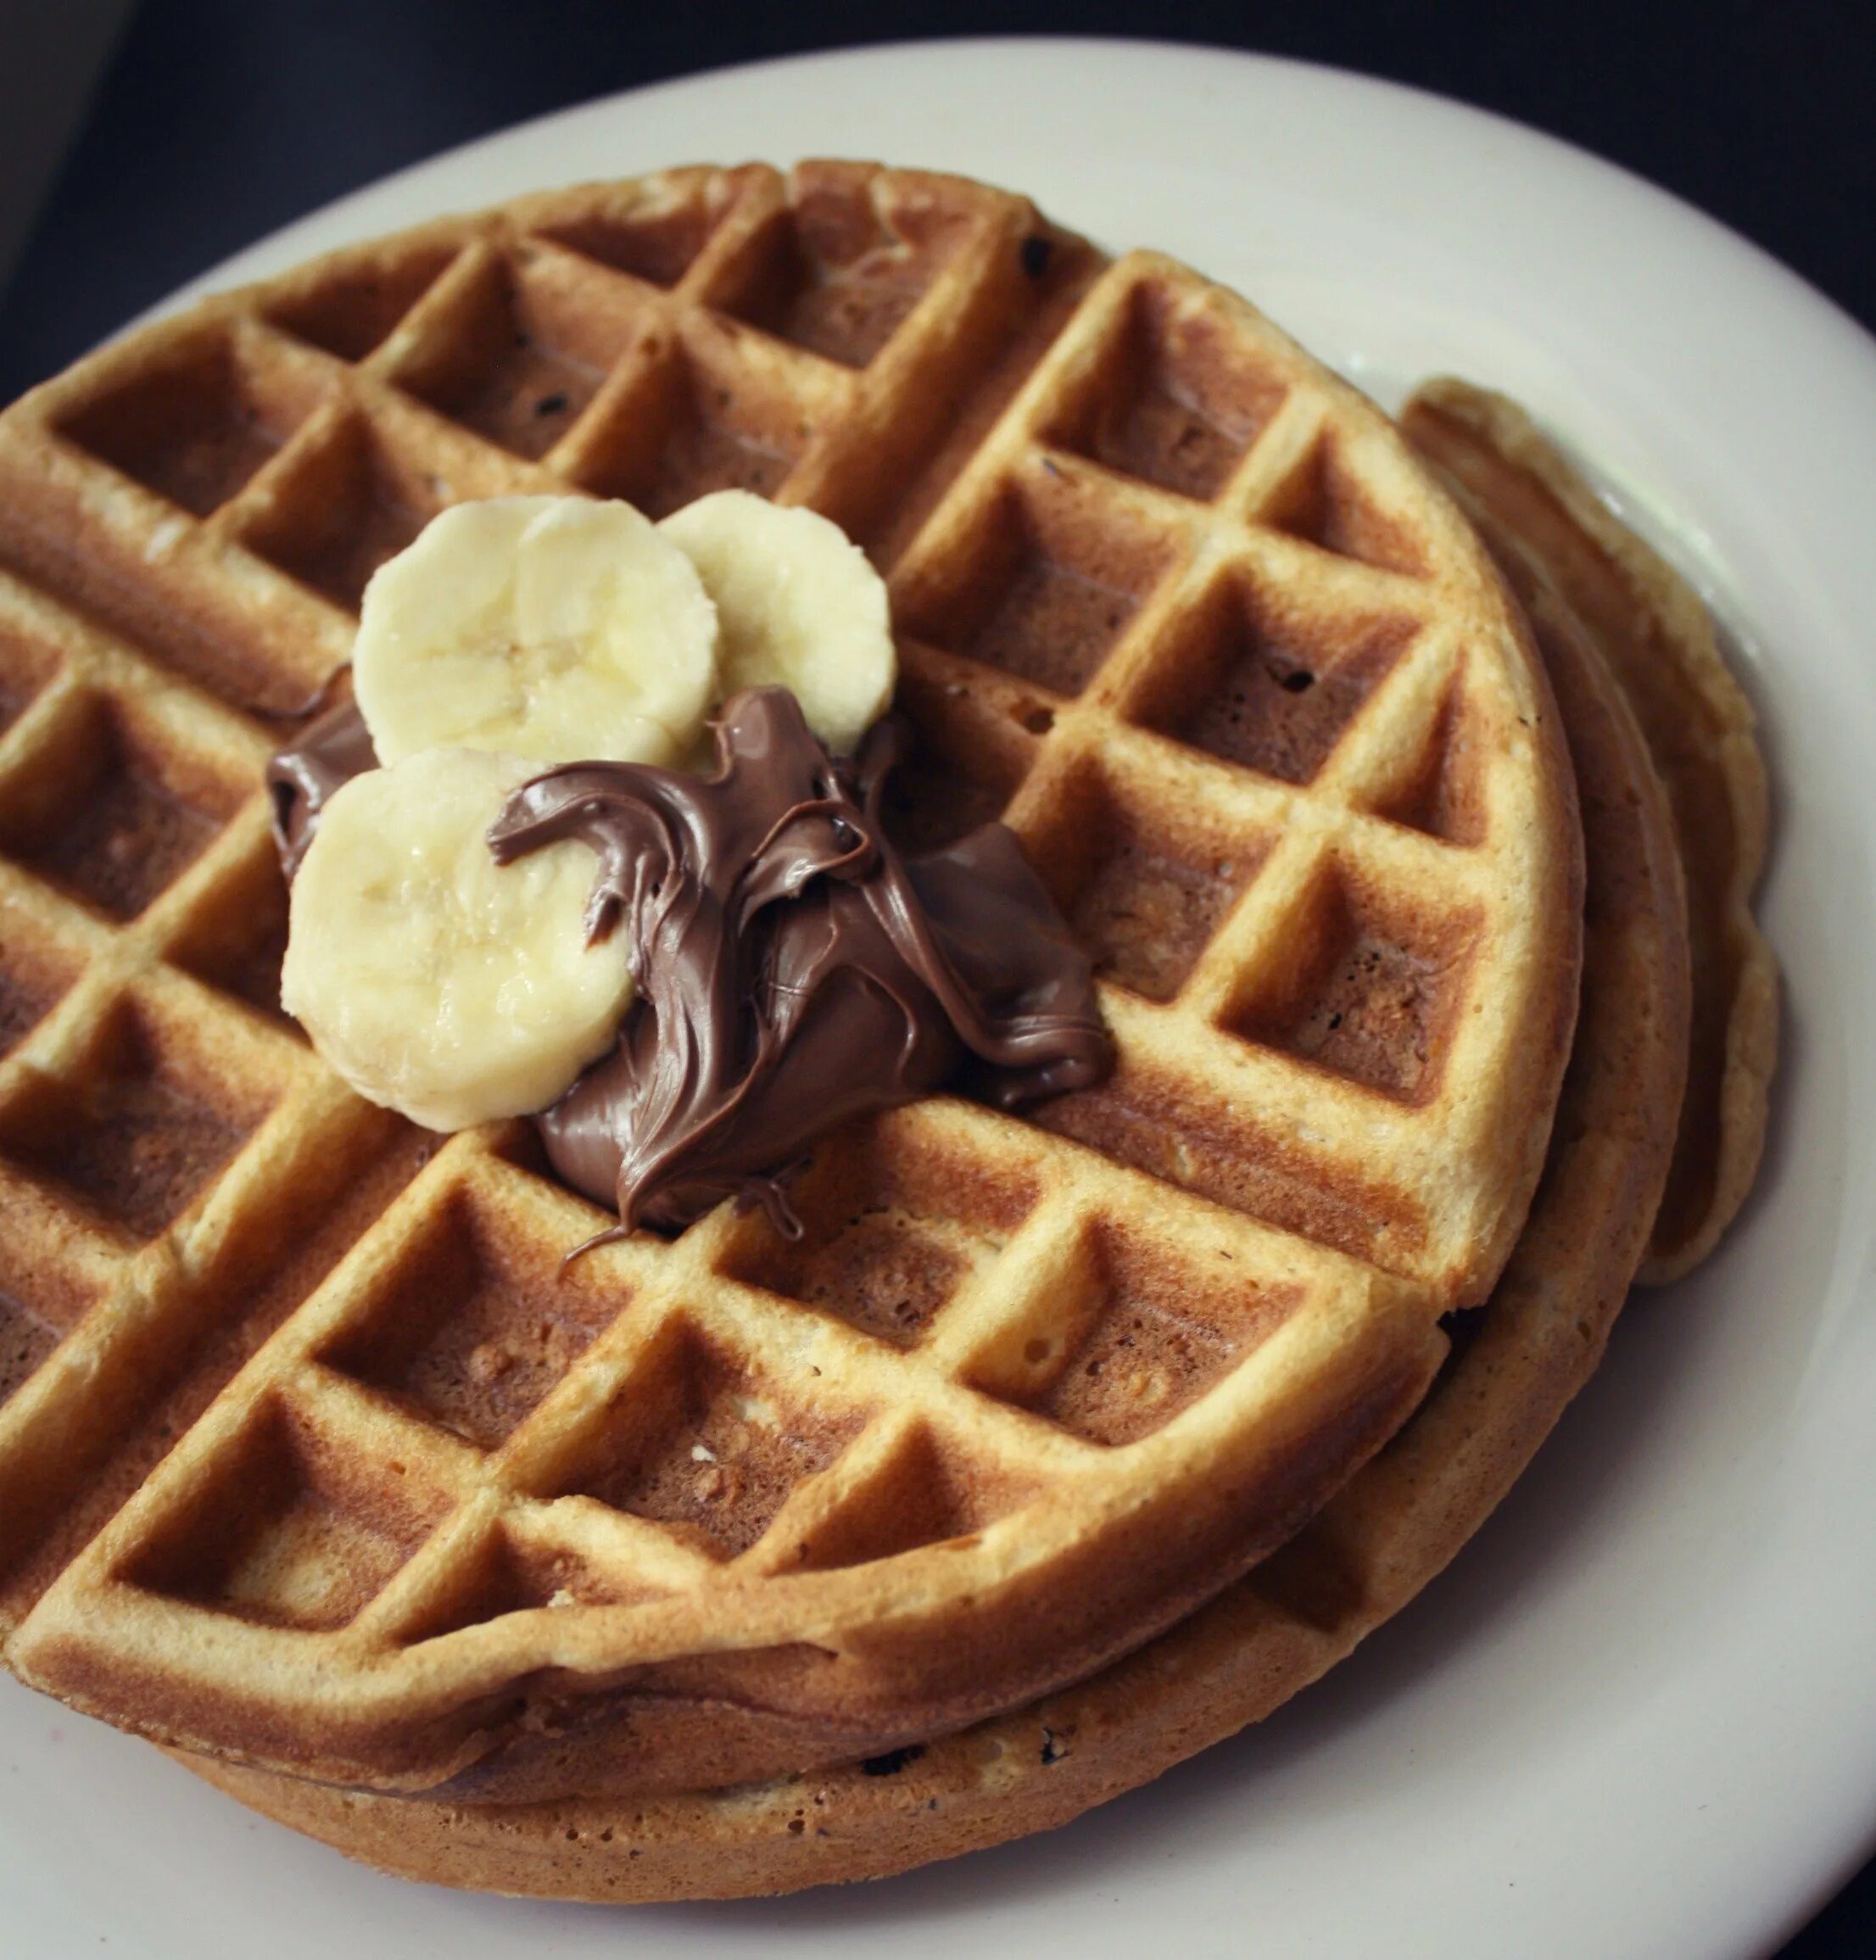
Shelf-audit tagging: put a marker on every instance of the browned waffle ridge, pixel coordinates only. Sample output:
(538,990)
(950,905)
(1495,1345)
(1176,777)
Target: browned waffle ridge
(1171,597)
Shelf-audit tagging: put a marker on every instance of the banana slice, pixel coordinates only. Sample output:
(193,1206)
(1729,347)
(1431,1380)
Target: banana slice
(434,980)
(561,629)
(800,605)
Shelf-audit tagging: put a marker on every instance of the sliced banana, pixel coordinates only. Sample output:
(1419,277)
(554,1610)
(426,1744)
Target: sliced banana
(800,607)
(561,629)
(435,981)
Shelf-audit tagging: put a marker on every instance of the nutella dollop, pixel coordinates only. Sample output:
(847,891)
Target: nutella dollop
(327,753)
(794,969)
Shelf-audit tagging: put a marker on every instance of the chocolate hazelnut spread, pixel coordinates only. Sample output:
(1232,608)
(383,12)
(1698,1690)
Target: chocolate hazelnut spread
(794,969)
(301,778)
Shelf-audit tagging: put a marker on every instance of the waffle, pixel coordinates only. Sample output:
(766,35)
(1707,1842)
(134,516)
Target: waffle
(1527,1353)
(312,1457)
(1564,551)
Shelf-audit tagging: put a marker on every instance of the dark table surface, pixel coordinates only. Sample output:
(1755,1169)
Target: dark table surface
(219,119)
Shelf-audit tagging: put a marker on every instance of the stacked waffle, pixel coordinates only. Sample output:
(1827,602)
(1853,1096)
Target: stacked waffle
(1054,1449)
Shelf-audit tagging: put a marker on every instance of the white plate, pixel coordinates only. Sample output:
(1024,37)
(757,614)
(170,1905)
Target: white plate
(1639,1716)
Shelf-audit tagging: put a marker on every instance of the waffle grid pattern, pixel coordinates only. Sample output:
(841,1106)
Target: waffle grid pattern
(1269,808)
(606,1483)
(1168,601)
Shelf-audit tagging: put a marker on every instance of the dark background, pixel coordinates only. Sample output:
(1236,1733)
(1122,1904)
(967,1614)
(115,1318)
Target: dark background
(219,119)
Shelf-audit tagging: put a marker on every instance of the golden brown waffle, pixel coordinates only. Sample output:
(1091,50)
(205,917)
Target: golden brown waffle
(1401,1519)
(1564,552)
(1175,601)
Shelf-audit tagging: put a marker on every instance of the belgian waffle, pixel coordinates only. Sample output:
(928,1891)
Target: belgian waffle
(404,1506)
(1403,1516)
(1564,552)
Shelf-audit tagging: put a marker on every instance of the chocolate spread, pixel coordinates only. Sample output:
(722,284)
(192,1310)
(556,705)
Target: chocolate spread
(794,969)
(302,779)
